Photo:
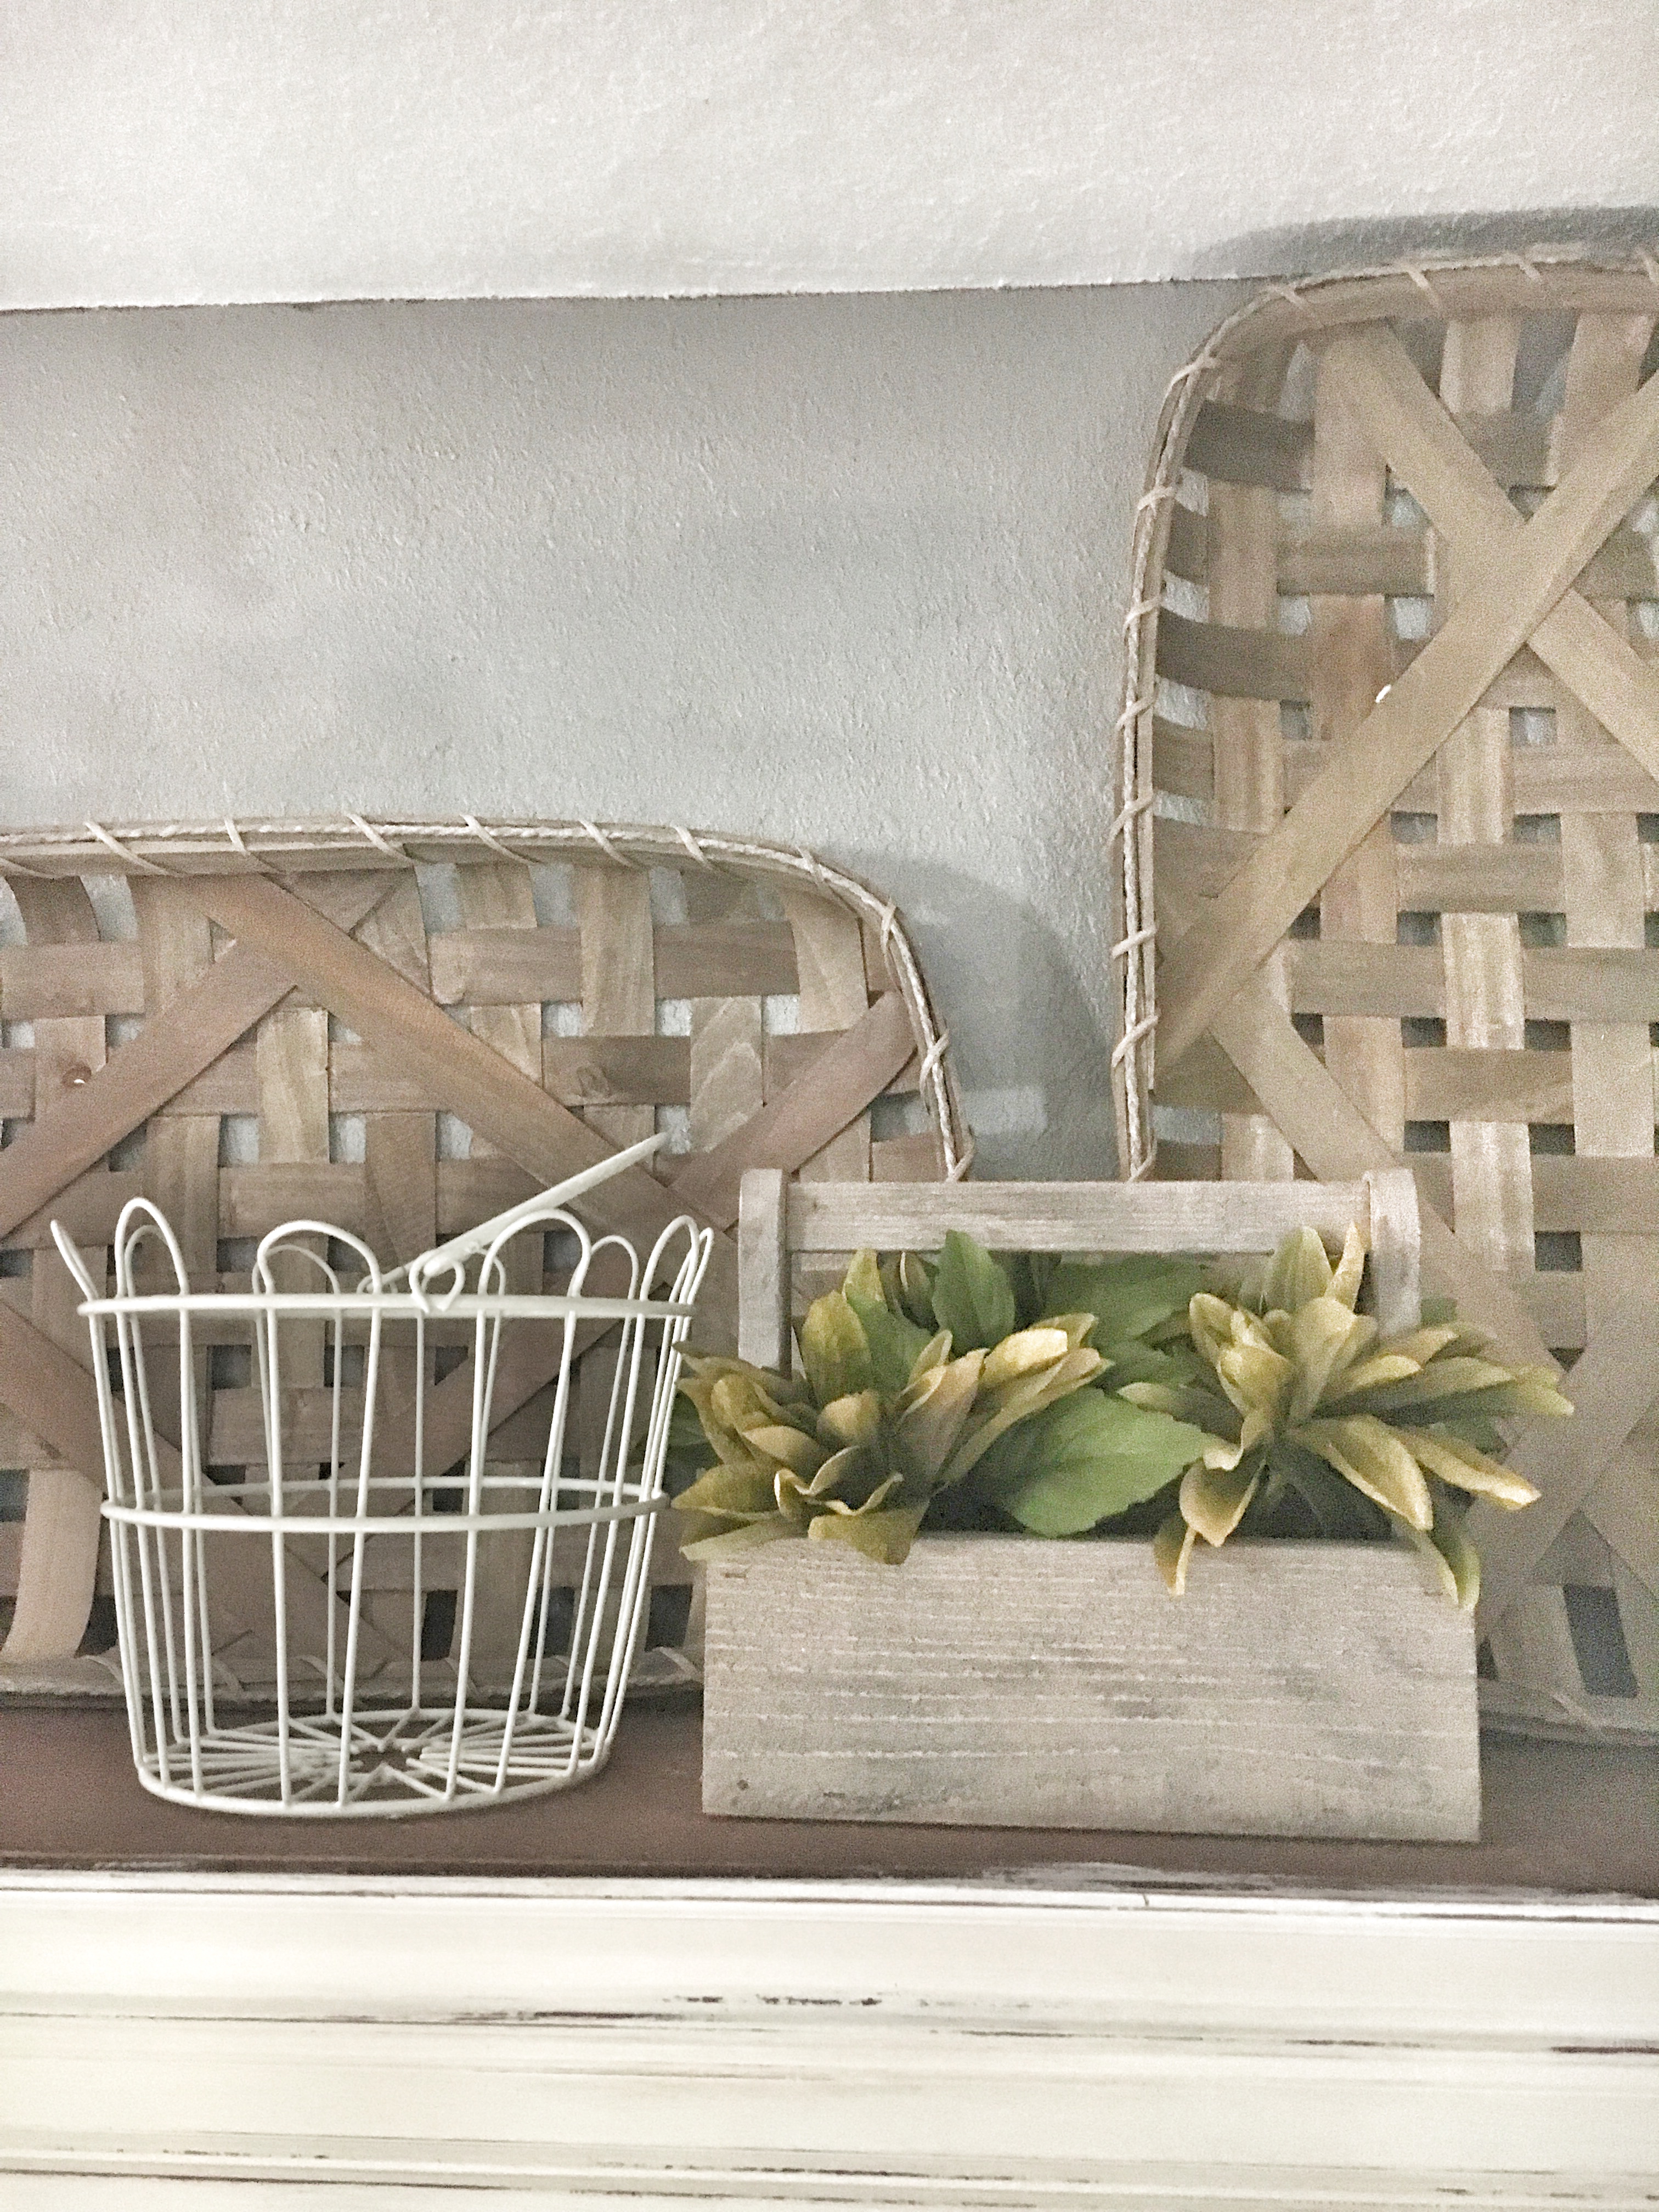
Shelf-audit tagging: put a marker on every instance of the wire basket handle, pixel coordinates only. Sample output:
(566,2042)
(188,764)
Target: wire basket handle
(452,1258)
(74,1261)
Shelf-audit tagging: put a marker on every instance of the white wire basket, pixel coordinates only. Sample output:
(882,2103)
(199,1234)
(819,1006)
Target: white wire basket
(294,1541)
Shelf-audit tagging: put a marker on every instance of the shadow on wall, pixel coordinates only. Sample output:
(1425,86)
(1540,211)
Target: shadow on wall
(1363,241)
(1032,1064)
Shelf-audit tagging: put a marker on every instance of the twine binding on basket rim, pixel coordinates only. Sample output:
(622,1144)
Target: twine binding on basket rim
(623,845)
(1133,953)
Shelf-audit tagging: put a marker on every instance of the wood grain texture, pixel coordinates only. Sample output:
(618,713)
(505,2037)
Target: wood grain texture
(763,1336)
(799,1129)
(1526,842)
(1351,661)
(490,966)
(833,994)
(1297,1689)
(1603,901)
(1510,595)
(725,1069)
(619,988)
(167,1052)
(1072,1217)
(1248,748)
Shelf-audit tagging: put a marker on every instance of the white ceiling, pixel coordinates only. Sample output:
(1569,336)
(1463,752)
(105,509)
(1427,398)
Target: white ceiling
(220,150)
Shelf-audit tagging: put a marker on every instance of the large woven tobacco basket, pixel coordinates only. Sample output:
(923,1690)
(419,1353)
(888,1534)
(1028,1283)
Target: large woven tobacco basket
(1391,742)
(401,1028)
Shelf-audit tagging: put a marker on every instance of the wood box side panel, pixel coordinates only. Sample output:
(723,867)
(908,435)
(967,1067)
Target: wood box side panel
(1298,1689)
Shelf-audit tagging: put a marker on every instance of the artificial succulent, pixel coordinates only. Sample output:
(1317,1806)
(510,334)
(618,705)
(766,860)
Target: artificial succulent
(1303,1402)
(886,1413)
(1132,1394)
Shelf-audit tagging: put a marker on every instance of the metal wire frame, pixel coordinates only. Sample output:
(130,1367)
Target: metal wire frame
(340,1743)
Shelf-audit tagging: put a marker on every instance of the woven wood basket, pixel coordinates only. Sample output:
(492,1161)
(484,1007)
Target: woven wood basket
(1390,745)
(401,1028)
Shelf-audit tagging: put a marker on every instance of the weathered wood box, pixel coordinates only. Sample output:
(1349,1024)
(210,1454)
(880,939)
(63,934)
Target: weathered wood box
(1307,1689)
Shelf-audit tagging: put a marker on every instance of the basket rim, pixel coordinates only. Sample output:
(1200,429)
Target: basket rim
(427,1527)
(488,1306)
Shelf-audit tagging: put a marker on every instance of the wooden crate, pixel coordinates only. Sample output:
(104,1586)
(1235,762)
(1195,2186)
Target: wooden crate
(1391,747)
(1299,1688)
(401,1029)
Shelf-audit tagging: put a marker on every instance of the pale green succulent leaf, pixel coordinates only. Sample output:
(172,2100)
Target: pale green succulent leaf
(1213,1499)
(1024,1352)
(1172,1552)
(1450,1556)
(787,1447)
(1349,1269)
(895,1342)
(729,1541)
(852,1421)
(1321,1339)
(1300,1270)
(862,1284)
(1468,1468)
(1373,1458)
(834,1350)
(915,1285)
(1446,1377)
(938,1413)
(736,1490)
(885,1536)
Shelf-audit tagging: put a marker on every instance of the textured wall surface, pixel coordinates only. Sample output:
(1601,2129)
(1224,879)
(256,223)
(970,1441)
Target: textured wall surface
(203,150)
(846,572)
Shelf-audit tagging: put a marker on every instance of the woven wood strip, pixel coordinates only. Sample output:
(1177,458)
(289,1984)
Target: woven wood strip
(1430,933)
(404,1030)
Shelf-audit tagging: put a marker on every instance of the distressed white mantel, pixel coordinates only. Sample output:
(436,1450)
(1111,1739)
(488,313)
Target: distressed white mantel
(649,2043)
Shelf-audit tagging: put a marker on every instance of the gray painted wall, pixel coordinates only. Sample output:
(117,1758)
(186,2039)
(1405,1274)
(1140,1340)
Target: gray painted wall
(844,571)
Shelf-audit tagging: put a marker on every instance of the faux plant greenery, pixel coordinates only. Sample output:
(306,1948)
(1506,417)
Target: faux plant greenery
(1062,1397)
(1306,1407)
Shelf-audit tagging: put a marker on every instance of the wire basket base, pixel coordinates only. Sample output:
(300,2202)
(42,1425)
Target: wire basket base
(398,1765)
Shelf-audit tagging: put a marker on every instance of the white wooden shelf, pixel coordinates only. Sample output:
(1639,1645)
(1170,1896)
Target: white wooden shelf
(816,2044)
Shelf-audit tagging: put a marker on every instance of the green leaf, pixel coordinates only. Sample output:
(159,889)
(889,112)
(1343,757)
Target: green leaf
(1131,1360)
(1088,1458)
(1127,1297)
(896,1343)
(972,1295)
(1337,1507)
(834,1350)
(1029,1280)
(915,1280)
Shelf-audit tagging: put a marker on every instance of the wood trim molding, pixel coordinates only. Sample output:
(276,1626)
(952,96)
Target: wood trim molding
(769,2042)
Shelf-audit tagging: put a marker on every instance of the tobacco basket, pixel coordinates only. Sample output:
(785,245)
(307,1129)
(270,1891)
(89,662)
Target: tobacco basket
(530,1701)
(403,1028)
(1391,753)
